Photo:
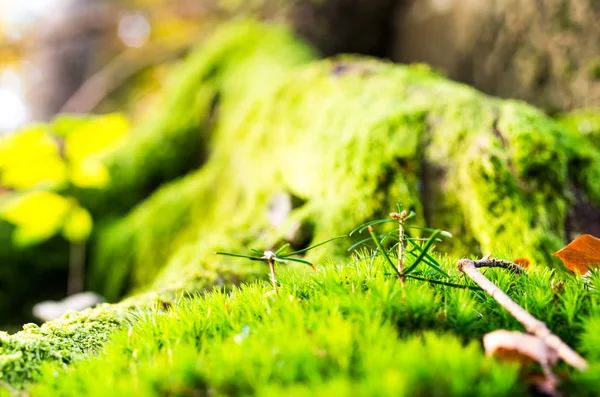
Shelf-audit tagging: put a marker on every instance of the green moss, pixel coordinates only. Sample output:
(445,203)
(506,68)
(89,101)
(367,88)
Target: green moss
(238,180)
(583,124)
(345,327)
(80,334)
(583,150)
(511,182)
(64,341)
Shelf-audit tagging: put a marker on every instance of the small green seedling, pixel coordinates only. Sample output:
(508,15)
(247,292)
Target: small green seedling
(421,253)
(401,216)
(279,256)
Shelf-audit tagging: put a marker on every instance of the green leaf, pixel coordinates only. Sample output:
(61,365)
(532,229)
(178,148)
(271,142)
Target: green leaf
(429,261)
(365,226)
(463,286)
(424,253)
(301,261)
(252,258)
(64,124)
(312,246)
(28,236)
(97,136)
(383,251)
(31,159)
(426,229)
(282,249)
(361,242)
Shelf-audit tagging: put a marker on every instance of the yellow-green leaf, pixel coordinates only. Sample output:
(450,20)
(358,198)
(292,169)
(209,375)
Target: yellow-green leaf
(89,174)
(78,225)
(31,158)
(96,137)
(36,215)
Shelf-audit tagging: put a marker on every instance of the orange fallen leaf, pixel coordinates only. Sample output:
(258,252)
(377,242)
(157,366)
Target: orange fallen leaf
(581,254)
(523,262)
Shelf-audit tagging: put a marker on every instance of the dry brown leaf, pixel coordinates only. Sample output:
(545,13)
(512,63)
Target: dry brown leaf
(520,347)
(581,254)
(525,349)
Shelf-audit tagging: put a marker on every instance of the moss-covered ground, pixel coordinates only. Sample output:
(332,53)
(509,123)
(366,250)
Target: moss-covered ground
(348,328)
(80,335)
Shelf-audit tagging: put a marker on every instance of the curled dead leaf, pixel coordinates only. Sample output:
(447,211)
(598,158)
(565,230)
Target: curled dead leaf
(581,254)
(520,347)
(525,349)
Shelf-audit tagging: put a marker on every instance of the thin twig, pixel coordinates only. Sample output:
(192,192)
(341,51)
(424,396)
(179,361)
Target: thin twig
(531,324)
(501,263)
(75,281)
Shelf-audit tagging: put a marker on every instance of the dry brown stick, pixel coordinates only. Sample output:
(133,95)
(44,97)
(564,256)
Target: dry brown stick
(501,263)
(531,324)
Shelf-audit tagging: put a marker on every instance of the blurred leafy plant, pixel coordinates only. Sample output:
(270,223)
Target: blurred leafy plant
(42,164)
(39,215)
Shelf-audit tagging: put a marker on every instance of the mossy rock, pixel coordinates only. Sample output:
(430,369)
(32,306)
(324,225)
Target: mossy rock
(584,125)
(224,76)
(351,136)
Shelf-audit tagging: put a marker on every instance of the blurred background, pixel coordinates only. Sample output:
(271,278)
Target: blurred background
(105,56)
(99,55)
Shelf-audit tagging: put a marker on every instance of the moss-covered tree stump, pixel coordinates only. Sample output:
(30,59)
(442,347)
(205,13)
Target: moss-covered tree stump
(350,137)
